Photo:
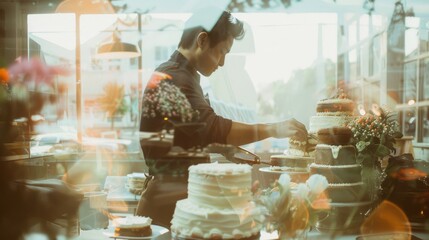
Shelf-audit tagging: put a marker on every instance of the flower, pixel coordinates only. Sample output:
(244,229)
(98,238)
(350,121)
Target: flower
(164,99)
(25,87)
(292,210)
(374,134)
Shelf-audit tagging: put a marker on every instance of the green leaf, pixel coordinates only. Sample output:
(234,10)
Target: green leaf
(382,151)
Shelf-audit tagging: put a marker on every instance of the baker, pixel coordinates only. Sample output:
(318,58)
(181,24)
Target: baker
(201,50)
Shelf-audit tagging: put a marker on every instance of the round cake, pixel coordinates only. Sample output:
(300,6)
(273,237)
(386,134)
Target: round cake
(335,105)
(219,204)
(335,135)
(332,112)
(132,226)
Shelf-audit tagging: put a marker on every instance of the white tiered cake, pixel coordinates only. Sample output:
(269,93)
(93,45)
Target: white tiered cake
(219,204)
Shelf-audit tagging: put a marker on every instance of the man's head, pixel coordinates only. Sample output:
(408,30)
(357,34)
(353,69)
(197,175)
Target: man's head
(207,48)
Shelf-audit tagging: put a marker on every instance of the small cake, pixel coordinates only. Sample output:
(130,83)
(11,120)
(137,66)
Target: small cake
(135,182)
(335,105)
(302,148)
(133,226)
(332,112)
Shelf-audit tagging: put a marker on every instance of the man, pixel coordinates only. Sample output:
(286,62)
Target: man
(201,50)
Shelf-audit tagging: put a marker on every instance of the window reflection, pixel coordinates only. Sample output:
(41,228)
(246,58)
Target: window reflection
(425,124)
(424,76)
(410,83)
(408,119)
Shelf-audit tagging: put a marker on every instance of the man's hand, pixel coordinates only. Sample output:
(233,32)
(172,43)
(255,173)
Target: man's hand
(290,128)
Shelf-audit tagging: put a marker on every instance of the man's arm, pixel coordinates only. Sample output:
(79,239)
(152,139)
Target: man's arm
(242,133)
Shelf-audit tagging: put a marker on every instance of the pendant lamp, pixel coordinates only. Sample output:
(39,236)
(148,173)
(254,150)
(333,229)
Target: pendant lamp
(116,49)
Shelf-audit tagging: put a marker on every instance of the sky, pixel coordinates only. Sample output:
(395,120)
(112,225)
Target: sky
(287,42)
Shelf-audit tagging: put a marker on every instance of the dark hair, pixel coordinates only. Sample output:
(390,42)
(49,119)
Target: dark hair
(227,25)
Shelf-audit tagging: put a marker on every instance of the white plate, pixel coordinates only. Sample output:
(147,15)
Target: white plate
(156,231)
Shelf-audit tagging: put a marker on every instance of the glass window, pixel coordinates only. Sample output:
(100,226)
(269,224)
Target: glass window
(424,39)
(411,37)
(425,123)
(424,77)
(352,33)
(363,27)
(375,56)
(410,82)
(353,65)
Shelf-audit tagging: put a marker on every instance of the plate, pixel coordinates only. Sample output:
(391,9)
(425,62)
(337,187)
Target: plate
(156,231)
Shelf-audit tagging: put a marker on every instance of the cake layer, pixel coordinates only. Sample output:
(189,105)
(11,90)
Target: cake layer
(302,148)
(291,162)
(335,155)
(335,105)
(132,222)
(219,191)
(338,173)
(133,232)
(193,221)
(346,192)
(320,122)
(268,175)
(343,218)
(334,135)
(219,185)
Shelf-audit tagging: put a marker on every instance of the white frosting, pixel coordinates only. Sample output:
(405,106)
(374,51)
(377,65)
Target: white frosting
(335,100)
(132,222)
(219,203)
(320,122)
(288,169)
(345,184)
(314,165)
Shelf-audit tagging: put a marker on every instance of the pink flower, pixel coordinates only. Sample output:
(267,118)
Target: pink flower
(34,69)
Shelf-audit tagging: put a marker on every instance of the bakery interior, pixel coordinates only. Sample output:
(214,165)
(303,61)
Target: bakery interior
(71,149)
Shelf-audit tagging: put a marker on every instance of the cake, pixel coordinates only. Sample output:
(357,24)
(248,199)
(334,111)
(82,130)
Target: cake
(132,226)
(336,160)
(302,148)
(333,112)
(135,182)
(219,204)
(294,162)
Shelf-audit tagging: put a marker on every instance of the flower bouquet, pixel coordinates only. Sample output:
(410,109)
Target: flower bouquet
(292,211)
(374,136)
(25,87)
(164,99)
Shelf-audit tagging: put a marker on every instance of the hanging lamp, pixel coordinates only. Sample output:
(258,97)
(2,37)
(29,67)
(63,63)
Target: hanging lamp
(116,49)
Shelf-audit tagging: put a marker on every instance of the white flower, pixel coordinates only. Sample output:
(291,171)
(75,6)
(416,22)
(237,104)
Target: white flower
(284,181)
(302,191)
(317,183)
